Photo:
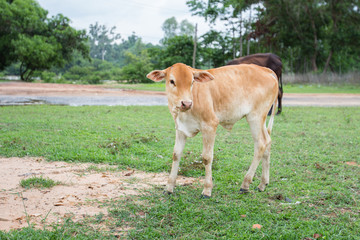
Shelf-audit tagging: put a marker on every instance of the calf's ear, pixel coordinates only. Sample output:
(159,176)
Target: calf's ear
(156,75)
(203,76)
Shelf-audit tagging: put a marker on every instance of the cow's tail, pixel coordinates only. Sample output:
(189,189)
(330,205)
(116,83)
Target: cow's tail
(280,95)
(271,121)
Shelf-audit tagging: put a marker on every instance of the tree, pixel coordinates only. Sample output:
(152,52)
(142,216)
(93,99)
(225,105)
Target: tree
(37,42)
(35,53)
(177,49)
(228,11)
(343,31)
(101,40)
(186,28)
(170,27)
(18,17)
(215,48)
(137,67)
(314,29)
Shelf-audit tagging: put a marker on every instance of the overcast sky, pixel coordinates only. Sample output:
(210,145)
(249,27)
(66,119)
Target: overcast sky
(143,17)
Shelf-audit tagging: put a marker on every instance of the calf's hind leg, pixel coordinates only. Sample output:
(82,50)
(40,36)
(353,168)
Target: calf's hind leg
(265,176)
(261,142)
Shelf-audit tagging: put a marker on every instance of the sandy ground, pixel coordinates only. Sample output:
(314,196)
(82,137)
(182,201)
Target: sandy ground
(51,89)
(79,195)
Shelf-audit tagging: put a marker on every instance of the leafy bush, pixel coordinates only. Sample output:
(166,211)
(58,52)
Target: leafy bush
(48,77)
(137,67)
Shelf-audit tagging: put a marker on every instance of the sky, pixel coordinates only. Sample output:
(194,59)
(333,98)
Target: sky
(143,17)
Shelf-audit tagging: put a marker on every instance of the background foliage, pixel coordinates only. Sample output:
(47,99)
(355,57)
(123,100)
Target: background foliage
(315,36)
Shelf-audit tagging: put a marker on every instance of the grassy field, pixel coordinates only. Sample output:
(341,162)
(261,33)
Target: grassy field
(313,192)
(159,86)
(321,88)
(288,88)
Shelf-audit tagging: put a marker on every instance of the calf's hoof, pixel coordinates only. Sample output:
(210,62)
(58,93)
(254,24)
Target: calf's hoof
(243,191)
(165,192)
(262,187)
(203,196)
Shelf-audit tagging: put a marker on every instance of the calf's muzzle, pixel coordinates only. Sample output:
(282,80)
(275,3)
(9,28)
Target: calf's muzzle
(186,105)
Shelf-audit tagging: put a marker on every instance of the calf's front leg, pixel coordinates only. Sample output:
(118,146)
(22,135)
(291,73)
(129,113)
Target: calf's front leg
(209,134)
(178,150)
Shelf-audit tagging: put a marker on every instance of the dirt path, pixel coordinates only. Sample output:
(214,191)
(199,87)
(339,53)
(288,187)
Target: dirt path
(83,189)
(17,88)
(20,93)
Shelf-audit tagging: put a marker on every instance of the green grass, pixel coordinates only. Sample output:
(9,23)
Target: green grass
(38,182)
(308,165)
(288,88)
(321,88)
(159,86)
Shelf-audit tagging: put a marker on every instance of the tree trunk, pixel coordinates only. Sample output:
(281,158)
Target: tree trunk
(241,37)
(195,46)
(328,61)
(248,42)
(313,26)
(22,72)
(28,76)
(103,55)
(25,75)
(233,42)
(313,63)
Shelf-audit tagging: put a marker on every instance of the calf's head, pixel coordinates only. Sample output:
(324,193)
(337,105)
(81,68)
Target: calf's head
(179,83)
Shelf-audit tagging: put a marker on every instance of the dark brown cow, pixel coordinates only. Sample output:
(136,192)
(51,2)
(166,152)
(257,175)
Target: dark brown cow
(268,60)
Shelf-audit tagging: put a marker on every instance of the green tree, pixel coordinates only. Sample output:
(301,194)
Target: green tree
(177,49)
(230,12)
(35,53)
(137,67)
(101,40)
(215,49)
(342,31)
(315,30)
(186,28)
(170,27)
(18,17)
(37,42)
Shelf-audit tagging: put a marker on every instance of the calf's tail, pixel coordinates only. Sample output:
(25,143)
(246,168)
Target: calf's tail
(271,121)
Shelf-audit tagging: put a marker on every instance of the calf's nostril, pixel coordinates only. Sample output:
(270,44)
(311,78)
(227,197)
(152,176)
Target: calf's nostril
(186,104)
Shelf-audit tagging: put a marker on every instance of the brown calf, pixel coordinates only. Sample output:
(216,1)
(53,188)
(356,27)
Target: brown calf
(268,60)
(201,100)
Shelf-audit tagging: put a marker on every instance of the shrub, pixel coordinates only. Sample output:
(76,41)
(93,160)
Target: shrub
(48,77)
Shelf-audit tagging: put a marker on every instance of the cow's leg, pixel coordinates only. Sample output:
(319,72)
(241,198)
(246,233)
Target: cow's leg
(178,149)
(265,176)
(208,134)
(280,104)
(261,141)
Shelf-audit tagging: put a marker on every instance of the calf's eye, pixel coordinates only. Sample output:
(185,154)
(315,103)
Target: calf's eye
(172,82)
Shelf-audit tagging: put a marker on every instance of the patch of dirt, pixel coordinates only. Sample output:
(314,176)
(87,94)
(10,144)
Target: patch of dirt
(16,88)
(80,195)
